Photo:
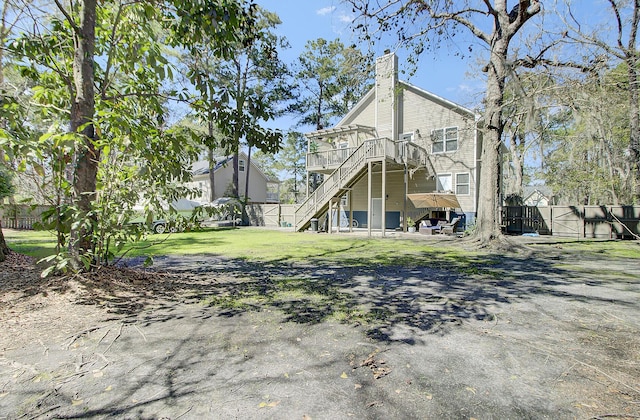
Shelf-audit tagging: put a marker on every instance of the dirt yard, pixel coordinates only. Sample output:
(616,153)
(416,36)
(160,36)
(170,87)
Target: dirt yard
(544,334)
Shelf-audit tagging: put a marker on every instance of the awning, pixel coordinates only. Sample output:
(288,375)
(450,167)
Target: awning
(430,200)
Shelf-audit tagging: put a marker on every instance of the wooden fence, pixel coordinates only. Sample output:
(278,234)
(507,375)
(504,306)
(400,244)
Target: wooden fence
(20,216)
(602,222)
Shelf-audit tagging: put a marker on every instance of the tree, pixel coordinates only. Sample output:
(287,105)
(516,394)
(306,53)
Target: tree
(105,63)
(585,151)
(425,24)
(619,40)
(292,159)
(252,83)
(330,78)
(6,190)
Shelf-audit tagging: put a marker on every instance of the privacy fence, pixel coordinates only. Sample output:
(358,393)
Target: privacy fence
(20,216)
(603,222)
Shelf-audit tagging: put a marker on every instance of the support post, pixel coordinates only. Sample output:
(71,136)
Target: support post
(383,223)
(349,198)
(369,199)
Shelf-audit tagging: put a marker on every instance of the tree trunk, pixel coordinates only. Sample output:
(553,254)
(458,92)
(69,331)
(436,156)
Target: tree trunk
(82,113)
(247,166)
(490,192)
(4,249)
(212,163)
(212,176)
(236,157)
(518,162)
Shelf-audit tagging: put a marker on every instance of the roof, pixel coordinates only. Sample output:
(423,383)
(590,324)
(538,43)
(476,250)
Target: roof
(542,189)
(201,167)
(431,96)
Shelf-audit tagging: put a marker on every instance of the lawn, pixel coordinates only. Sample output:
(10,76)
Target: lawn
(271,246)
(260,245)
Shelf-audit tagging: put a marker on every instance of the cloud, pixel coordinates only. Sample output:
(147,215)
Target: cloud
(325,10)
(345,18)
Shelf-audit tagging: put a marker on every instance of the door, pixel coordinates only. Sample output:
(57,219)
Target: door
(376,213)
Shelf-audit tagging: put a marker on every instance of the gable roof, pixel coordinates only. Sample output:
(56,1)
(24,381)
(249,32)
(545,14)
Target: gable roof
(201,167)
(369,96)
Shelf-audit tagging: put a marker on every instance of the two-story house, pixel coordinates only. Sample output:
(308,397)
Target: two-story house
(398,148)
(262,188)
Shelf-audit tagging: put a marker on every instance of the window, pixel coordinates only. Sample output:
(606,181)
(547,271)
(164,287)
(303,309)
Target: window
(406,137)
(462,184)
(444,140)
(444,182)
(241,165)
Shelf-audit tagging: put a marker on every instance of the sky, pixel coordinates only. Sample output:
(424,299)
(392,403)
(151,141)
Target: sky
(305,20)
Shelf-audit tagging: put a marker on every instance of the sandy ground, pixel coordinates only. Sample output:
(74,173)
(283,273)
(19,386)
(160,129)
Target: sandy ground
(543,335)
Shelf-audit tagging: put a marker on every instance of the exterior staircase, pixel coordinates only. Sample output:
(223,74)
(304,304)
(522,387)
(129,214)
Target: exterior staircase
(351,170)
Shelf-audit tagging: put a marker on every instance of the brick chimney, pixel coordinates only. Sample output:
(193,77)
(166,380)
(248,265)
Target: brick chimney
(386,106)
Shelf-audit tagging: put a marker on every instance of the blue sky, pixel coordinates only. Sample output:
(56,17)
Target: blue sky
(305,20)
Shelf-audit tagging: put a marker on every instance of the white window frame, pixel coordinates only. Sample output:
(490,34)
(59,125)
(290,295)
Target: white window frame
(446,137)
(241,165)
(407,136)
(440,187)
(466,184)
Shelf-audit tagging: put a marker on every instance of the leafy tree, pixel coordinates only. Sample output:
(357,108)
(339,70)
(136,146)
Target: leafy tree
(618,38)
(330,78)
(528,99)
(425,24)
(251,83)
(102,68)
(292,160)
(585,152)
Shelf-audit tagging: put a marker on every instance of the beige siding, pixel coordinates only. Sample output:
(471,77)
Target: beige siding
(420,182)
(418,112)
(366,116)
(224,178)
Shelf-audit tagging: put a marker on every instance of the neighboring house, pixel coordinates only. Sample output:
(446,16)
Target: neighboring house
(537,195)
(262,188)
(398,140)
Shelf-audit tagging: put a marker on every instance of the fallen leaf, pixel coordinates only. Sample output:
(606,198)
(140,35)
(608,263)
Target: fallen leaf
(429,396)
(98,374)
(357,386)
(266,404)
(472,390)
(4,394)
(109,388)
(286,375)
(398,391)
(305,417)
(76,402)
(344,375)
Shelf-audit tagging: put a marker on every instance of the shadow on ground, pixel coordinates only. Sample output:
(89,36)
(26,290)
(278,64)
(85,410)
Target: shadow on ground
(545,335)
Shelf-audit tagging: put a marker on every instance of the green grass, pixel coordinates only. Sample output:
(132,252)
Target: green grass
(604,248)
(272,246)
(38,244)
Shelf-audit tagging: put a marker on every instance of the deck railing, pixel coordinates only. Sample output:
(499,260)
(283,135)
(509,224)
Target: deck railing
(343,175)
